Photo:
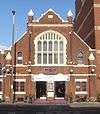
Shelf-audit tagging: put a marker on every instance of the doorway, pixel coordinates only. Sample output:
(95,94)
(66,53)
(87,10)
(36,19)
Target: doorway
(40,89)
(60,89)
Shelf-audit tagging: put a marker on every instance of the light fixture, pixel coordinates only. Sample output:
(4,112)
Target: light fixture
(71,71)
(92,71)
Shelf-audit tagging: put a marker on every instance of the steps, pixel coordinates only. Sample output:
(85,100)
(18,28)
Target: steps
(49,102)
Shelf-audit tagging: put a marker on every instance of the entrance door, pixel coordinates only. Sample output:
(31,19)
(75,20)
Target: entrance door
(40,89)
(60,89)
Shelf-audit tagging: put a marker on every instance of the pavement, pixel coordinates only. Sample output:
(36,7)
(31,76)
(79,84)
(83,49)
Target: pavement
(69,108)
(84,104)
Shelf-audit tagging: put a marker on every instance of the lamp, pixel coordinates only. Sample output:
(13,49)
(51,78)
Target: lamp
(92,71)
(29,71)
(71,71)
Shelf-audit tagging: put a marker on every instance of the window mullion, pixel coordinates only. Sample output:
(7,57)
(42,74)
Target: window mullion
(53,51)
(58,53)
(47,51)
(42,50)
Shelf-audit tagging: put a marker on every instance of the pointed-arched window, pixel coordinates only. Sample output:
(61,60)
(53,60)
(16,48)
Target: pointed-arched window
(19,58)
(50,48)
(80,57)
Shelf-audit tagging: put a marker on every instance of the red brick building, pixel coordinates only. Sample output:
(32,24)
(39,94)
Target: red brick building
(87,26)
(51,61)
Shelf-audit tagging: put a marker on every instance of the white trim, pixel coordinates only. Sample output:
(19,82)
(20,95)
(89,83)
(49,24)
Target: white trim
(1,92)
(20,58)
(43,77)
(97,27)
(80,80)
(20,80)
(98,51)
(43,98)
(66,74)
(83,74)
(96,5)
(20,93)
(21,36)
(82,41)
(21,65)
(1,80)
(59,98)
(50,10)
(81,92)
(50,25)
(59,65)
(1,76)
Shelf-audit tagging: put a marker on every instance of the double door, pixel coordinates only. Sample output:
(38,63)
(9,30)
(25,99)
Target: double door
(50,89)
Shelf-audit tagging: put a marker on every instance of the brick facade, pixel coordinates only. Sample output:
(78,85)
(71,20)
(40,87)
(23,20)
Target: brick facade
(71,71)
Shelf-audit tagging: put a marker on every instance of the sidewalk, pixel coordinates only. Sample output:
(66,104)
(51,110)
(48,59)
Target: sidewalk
(84,104)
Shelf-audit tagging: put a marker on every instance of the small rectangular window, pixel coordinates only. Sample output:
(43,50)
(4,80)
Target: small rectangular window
(19,61)
(16,86)
(22,86)
(19,86)
(78,86)
(83,86)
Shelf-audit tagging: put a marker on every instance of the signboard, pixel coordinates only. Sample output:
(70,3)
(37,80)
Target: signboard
(58,77)
(50,71)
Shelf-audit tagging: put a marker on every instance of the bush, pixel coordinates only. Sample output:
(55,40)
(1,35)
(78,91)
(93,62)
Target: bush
(98,97)
(81,98)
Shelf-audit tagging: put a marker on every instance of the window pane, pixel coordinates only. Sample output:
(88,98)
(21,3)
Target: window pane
(55,46)
(19,61)
(16,86)
(61,58)
(39,58)
(61,46)
(19,54)
(22,86)
(83,86)
(50,46)
(80,58)
(39,46)
(19,58)
(50,58)
(0,86)
(44,46)
(56,58)
(78,87)
(44,58)
(48,35)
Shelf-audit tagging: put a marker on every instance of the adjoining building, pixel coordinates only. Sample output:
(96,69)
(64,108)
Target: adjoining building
(51,62)
(87,26)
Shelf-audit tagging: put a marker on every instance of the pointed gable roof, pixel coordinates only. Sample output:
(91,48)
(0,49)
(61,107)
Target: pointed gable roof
(50,16)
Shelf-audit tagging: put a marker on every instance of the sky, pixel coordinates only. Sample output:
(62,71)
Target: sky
(22,7)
